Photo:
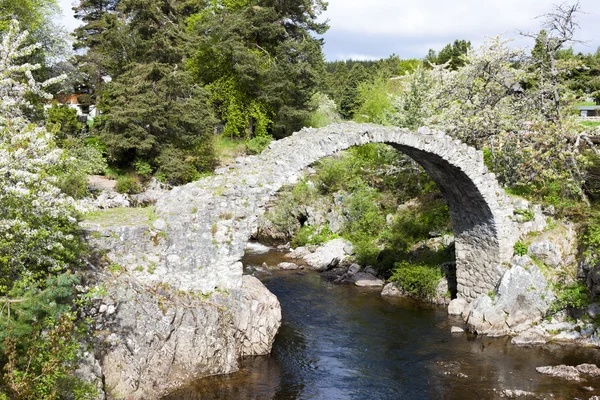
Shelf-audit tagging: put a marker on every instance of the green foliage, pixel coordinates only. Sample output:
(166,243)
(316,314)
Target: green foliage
(324,111)
(62,121)
(312,235)
(155,114)
(351,101)
(142,168)
(525,214)
(375,101)
(590,124)
(418,280)
(452,53)
(127,184)
(570,297)
(257,144)
(520,249)
(413,223)
(39,341)
(260,63)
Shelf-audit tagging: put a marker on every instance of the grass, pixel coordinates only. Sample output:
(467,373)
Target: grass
(585,103)
(121,216)
(228,149)
(590,124)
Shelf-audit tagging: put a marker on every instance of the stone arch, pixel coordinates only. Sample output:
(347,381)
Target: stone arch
(209,222)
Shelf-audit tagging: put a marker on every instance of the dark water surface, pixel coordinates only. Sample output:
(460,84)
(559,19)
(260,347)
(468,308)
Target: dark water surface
(344,342)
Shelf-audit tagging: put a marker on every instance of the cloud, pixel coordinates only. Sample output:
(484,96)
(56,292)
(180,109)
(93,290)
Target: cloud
(379,28)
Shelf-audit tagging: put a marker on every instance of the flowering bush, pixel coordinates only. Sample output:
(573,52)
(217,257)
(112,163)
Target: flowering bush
(37,222)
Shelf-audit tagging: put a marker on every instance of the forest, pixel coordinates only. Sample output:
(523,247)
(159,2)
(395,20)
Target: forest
(183,86)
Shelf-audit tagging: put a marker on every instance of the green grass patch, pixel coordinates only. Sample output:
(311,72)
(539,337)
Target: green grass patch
(585,104)
(121,216)
(228,149)
(312,235)
(590,124)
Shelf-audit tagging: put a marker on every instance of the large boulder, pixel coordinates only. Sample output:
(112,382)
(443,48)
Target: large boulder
(521,299)
(329,255)
(155,340)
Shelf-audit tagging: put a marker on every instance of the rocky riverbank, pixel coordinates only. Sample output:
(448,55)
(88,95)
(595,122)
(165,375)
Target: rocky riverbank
(148,339)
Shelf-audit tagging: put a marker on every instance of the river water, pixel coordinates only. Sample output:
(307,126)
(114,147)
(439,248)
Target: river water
(345,342)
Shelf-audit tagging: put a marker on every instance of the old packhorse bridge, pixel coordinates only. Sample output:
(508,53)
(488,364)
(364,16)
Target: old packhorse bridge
(202,228)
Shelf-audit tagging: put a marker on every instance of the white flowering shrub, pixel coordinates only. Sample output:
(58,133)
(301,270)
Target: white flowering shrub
(38,231)
(497,103)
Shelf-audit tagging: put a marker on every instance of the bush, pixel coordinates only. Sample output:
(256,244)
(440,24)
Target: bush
(257,144)
(142,168)
(574,296)
(520,249)
(312,235)
(178,167)
(127,184)
(74,185)
(62,121)
(418,280)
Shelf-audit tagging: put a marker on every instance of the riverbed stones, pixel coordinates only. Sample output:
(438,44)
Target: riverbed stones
(328,255)
(531,336)
(567,372)
(289,266)
(392,290)
(365,279)
(457,306)
(457,329)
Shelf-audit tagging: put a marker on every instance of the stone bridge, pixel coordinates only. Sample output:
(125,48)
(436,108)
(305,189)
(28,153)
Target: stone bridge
(200,230)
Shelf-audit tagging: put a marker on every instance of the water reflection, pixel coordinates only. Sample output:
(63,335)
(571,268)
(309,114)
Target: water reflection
(343,342)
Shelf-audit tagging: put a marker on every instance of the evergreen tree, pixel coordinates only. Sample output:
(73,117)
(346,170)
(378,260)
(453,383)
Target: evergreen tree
(350,101)
(259,61)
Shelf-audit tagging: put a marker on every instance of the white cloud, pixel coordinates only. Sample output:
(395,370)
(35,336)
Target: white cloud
(383,27)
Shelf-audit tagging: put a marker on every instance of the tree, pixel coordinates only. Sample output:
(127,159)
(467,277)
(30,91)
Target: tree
(39,241)
(259,61)
(155,113)
(452,53)
(351,100)
(558,29)
(98,16)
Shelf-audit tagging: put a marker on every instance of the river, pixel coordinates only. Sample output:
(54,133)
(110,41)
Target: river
(344,342)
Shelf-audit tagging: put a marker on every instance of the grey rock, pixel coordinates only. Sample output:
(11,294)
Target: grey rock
(353,269)
(545,251)
(392,290)
(370,270)
(589,369)
(567,372)
(593,310)
(160,224)
(457,306)
(154,344)
(456,329)
(328,255)
(522,298)
(364,279)
(530,337)
(567,336)
(288,265)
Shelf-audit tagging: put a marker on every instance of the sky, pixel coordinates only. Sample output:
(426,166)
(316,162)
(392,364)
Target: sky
(373,29)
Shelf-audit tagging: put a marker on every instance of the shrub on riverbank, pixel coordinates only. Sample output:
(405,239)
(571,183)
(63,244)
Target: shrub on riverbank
(417,279)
